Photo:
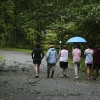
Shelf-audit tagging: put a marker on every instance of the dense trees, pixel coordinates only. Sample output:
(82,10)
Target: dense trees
(24,22)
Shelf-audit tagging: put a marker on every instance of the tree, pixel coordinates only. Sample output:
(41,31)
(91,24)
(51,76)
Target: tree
(22,22)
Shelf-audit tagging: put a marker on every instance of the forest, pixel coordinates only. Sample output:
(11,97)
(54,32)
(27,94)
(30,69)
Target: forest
(25,22)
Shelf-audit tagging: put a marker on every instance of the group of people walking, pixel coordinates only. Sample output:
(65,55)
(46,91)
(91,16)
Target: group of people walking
(92,58)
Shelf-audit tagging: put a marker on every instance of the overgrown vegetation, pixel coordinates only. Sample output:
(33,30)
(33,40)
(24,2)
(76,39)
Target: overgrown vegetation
(23,23)
(2,62)
(20,50)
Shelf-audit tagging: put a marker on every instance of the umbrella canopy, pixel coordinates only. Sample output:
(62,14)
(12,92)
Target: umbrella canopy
(76,39)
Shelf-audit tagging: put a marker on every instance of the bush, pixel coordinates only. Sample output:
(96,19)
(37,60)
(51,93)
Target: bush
(2,62)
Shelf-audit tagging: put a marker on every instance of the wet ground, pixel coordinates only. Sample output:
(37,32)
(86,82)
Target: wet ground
(17,81)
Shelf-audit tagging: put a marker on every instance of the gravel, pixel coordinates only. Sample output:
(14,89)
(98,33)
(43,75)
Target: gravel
(17,81)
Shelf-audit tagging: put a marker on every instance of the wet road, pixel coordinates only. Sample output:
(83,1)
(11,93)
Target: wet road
(17,81)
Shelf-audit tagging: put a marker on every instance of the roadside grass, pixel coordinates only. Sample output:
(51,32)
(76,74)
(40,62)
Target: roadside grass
(82,64)
(19,50)
(1,57)
(2,62)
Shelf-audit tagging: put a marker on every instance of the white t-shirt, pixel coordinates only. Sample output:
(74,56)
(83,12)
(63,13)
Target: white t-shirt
(64,55)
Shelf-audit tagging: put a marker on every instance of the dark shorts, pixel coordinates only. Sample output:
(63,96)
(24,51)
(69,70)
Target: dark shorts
(90,65)
(37,61)
(96,66)
(63,64)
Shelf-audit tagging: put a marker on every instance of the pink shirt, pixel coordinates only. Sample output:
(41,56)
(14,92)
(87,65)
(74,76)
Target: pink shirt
(76,53)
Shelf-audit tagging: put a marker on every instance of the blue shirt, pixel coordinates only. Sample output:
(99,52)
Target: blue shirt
(51,56)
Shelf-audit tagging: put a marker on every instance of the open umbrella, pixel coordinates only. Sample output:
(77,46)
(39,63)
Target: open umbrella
(76,39)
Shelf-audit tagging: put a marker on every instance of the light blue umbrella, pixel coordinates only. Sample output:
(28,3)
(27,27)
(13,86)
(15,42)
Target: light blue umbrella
(76,39)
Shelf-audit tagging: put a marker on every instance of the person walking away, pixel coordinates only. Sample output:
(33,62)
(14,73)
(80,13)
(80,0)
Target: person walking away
(76,53)
(51,58)
(96,61)
(37,55)
(63,56)
(89,59)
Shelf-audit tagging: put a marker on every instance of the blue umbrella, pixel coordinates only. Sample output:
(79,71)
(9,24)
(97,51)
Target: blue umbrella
(76,39)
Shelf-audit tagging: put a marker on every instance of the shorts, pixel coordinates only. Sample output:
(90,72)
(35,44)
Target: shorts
(90,65)
(63,64)
(37,61)
(96,66)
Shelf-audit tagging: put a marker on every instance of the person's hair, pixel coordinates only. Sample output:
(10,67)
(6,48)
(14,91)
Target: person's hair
(64,46)
(97,46)
(38,45)
(51,46)
(90,46)
(76,46)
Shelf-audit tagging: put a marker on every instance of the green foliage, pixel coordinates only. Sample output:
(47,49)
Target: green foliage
(20,50)
(22,22)
(1,57)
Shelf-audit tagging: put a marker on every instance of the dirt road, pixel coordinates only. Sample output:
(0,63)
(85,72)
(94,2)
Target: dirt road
(17,81)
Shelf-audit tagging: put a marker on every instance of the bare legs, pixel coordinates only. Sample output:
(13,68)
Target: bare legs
(88,72)
(63,72)
(37,69)
(96,72)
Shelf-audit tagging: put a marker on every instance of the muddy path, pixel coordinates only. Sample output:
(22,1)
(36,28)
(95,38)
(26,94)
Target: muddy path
(17,81)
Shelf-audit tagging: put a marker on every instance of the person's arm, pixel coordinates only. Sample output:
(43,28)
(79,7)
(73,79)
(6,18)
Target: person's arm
(93,54)
(85,53)
(47,55)
(59,54)
(80,52)
(32,54)
(72,53)
(42,55)
(56,57)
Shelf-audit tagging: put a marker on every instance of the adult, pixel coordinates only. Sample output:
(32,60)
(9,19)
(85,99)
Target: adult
(96,61)
(63,55)
(37,55)
(51,58)
(89,60)
(76,53)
